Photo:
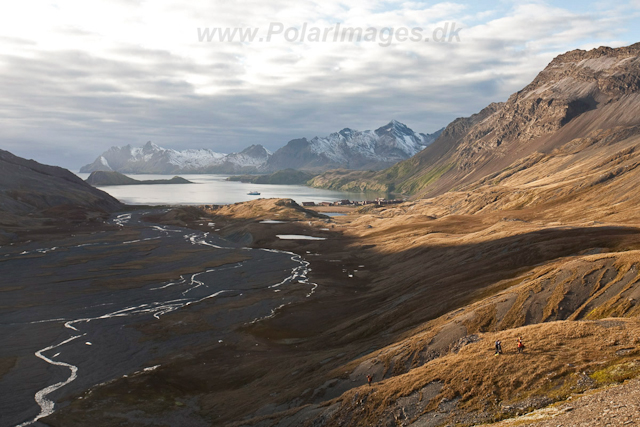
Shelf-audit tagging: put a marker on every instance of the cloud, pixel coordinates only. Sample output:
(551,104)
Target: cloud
(81,77)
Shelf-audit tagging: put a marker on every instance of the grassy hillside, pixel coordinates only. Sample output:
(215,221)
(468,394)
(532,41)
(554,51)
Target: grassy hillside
(527,252)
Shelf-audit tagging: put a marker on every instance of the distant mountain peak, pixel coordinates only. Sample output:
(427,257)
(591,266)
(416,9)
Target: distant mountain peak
(347,132)
(394,126)
(348,148)
(150,148)
(351,149)
(256,150)
(151,158)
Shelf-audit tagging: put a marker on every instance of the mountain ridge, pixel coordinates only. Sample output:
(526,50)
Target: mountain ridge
(32,186)
(352,149)
(152,158)
(371,149)
(32,194)
(578,92)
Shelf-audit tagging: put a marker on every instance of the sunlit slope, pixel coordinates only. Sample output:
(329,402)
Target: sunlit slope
(576,94)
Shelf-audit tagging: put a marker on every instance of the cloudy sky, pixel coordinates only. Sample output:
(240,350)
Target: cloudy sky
(79,76)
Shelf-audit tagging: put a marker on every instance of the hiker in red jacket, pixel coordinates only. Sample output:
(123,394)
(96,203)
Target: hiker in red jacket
(520,345)
(369,379)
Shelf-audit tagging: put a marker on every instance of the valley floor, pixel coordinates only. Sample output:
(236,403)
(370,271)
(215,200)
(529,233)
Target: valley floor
(89,308)
(410,294)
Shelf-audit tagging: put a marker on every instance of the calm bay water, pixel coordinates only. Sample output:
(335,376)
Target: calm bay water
(215,190)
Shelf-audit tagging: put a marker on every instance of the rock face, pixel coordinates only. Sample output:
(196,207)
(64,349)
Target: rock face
(105,178)
(570,86)
(28,187)
(577,93)
(351,149)
(154,159)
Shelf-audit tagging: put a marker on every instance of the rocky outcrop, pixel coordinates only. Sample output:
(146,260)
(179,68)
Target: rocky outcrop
(571,85)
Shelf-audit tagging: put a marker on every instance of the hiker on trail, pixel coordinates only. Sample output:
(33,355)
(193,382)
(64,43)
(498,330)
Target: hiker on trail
(520,345)
(498,347)
(369,379)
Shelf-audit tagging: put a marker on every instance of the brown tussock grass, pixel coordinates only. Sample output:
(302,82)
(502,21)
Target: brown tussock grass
(558,350)
(556,354)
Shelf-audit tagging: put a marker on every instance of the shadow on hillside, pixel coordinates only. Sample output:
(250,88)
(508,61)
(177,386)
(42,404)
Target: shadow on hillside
(419,284)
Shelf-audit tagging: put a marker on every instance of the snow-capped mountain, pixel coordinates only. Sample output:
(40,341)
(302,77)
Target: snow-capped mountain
(352,149)
(154,159)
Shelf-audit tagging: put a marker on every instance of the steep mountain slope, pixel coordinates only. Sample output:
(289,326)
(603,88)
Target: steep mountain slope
(577,93)
(154,159)
(352,149)
(30,190)
(28,186)
(253,156)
